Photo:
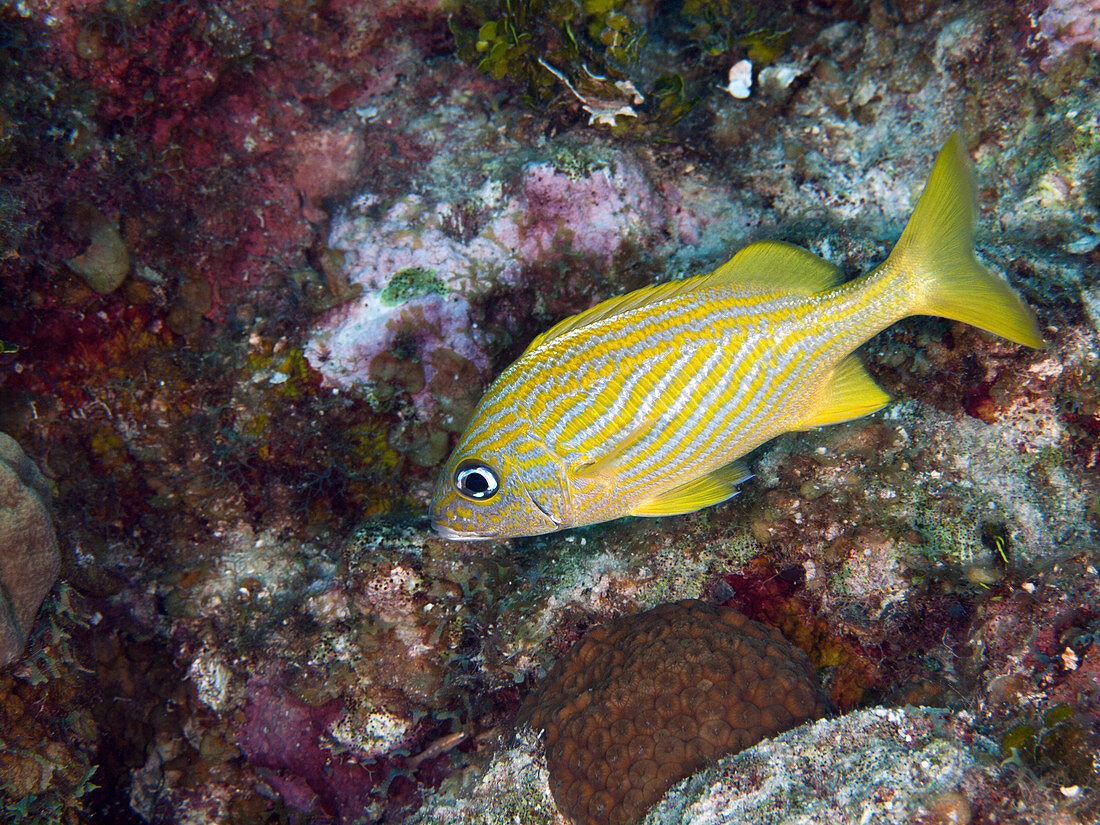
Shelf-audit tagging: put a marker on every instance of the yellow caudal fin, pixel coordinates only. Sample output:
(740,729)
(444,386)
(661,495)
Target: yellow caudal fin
(937,251)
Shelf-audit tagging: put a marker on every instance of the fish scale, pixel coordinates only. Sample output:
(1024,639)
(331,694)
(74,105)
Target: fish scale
(692,434)
(644,404)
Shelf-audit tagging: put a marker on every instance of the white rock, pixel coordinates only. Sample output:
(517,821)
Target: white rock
(740,79)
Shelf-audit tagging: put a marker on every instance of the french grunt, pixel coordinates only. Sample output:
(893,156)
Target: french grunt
(644,404)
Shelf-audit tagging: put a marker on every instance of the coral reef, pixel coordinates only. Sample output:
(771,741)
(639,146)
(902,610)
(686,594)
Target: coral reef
(514,787)
(29,561)
(644,701)
(280,736)
(258,261)
(48,734)
(1067,24)
(583,47)
(467,244)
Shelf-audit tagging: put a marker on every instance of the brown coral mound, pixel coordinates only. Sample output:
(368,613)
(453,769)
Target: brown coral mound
(28,547)
(643,701)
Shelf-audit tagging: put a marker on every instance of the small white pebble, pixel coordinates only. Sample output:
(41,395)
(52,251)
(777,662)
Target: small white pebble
(1028,586)
(778,78)
(740,79)
(1071,791)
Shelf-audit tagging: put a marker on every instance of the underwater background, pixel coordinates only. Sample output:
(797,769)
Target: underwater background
(260,260)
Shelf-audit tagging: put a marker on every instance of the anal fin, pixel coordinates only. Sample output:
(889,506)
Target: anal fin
(849,393)
(717,485)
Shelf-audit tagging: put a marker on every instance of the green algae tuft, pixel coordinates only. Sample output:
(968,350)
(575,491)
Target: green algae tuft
(412,282)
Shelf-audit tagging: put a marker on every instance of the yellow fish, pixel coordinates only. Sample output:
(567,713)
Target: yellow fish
(642,405)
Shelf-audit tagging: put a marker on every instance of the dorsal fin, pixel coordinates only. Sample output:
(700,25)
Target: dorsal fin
(616,306)
(770,266)
(778,267)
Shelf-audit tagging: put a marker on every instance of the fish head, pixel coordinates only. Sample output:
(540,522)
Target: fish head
(488,492)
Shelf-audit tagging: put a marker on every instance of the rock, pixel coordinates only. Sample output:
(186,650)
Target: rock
(883,765)
(105,264)
(28,547)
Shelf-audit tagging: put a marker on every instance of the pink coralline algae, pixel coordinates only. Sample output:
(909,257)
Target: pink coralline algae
(1065,24)
(591,215)
(553,214)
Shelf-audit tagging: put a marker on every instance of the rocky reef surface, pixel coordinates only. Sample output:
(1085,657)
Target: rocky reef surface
(258,262)
(896,765)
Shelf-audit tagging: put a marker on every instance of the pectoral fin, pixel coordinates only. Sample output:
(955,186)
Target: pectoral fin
(606,466)
(717,485)
(849,393)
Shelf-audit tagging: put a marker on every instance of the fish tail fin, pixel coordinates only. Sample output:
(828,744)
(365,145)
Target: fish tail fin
(936,256)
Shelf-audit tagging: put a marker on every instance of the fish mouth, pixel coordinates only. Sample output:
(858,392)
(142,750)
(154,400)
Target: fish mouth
(546,511)
(457,535)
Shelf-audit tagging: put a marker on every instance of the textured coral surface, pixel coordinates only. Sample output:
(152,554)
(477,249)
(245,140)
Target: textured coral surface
(28,547)
(643,701)
(260,260)
(896,766)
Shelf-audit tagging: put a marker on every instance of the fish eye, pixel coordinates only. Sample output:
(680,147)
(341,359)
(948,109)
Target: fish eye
(477,480)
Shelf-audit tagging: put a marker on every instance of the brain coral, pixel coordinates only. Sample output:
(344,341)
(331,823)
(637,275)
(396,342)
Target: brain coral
(645,700)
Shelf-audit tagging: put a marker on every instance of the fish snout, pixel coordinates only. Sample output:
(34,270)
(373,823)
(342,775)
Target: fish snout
(448,523)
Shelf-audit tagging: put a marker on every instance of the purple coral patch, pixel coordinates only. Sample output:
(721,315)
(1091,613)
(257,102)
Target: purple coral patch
(282,735)
(594,214)
(552,213)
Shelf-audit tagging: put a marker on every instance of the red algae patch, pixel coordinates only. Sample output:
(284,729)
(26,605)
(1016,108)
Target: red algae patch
(646,700)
